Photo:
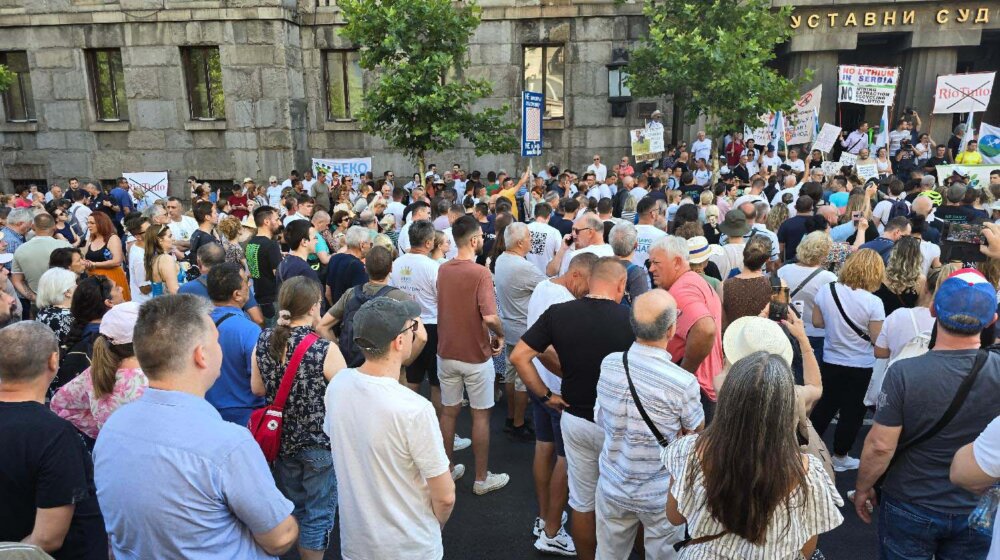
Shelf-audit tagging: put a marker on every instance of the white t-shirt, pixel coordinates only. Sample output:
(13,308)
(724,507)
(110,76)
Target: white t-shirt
(546,294)
(307,185)
(80,213)
(602,250)
(274,196)
(794,275)
(545,241)
(770,161)
(417,275)
(386,443)
(797,165)
(403,243)
(702,149)
(730,258)
(929,251)
(292,218)
(898,328)
(841,345)
(986,450)
(600,171)
(638,193)
(137,273)
(702,177)
(183,229)
(882,210)
(646,235)
(396,208)
(794,191)
(452,247)
(894,139)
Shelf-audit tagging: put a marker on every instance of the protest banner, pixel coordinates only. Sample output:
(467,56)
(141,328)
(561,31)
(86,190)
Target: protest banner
(867,171)
(963,93)
(152,184)
(640,144)
(532,109)
(355,167)
(654,133)
(979,175)
(827,136)
(867,85)
(830,168)
(848,159)
(989,143)
(800,121)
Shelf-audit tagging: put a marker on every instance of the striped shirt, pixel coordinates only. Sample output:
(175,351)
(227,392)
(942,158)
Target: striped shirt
(812,513)
(632,475)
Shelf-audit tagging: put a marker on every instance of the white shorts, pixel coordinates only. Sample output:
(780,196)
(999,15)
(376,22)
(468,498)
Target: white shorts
(616,530)
(583,441)
(460,377)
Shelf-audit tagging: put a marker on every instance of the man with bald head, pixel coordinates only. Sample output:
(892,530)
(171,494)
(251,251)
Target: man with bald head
(581,333)
(587,236)
(923,206)
(633,481)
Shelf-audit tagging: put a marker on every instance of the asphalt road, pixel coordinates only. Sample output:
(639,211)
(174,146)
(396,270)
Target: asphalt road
(498,525)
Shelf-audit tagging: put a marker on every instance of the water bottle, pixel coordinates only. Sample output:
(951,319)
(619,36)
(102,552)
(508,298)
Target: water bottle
(982,518)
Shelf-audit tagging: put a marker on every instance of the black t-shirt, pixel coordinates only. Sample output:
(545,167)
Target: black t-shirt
(935,161)
(45,464)
(892,301)
(199,238)
(961,214)
(791,233)
(489,237)
(564,226)
(955,145)
(263,257)
(582,332)
(343,272)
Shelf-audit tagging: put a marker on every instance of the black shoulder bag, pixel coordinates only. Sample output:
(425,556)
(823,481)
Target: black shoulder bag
(956,403)
(857,330)
(805,282)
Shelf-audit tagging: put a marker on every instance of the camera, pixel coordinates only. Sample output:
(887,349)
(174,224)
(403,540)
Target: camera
(908,110)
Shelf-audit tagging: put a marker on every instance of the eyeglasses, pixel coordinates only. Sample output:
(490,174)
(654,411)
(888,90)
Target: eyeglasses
(580,230)
(412,328)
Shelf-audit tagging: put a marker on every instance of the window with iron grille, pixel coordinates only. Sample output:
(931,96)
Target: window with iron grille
(342,74)
(544,72)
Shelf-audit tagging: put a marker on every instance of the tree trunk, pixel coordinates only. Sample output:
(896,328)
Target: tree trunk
(421,167)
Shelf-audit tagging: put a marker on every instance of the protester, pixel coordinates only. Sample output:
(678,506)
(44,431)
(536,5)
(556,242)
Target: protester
(104,252)
(54,299)
(467,314)
(805,277)
(160,265)
(632,480)
(901,285)
(92,298)
(921,509)
(304,468)
(346,269)
(624,241)
(263,256)
(545,239)
(743,487)
(113,379)
(746,293)
(587,237)
(210,256)
(47,488)
(186,452)
(851,317)
(301,239)
(31,259)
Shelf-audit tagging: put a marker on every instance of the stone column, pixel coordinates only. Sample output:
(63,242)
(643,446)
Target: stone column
(918,78)
(824,67)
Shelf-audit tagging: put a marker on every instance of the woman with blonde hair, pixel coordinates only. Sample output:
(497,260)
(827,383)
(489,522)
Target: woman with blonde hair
(113,379)
(805,277)
(903,278)
(628,209)
(161,267)
(230,230)
(851,317)
(777,216)
(442,244)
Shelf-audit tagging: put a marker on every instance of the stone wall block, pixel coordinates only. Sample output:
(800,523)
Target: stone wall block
(275,139)
(178,140)
(63,115)
(242,82)
(250,55)
(240,113)
(112,141)
(147,139)
(240,140)
(51,140)
(72,164)
(54,58)
(151,56)
(155,114)
(81,140)
(209,139)
(142,83)
(274,82)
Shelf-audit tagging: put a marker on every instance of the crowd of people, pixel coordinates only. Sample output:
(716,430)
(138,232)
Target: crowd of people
(222,373)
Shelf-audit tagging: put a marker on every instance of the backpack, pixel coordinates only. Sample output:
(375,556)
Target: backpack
(916,346)
(899,208)
(352,353)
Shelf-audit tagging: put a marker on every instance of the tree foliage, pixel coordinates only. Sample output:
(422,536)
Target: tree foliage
(712,56)
(6,78)
(408,46)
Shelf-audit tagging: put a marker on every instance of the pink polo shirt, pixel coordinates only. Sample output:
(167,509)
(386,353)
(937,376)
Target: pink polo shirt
(696,299)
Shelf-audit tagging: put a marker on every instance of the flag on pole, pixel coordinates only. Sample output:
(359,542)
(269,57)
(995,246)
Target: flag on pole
(989,143)
(778,131)
(815,123)
(969,132)
(882,140)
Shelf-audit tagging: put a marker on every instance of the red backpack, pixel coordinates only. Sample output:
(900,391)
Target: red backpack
(265,423)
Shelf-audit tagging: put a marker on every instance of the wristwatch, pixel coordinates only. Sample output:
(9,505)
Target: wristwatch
(546,396)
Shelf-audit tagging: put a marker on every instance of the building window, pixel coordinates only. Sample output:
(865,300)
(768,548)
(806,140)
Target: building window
(18,103)
(544,68)
(343,84)
(203,73)
(108,84)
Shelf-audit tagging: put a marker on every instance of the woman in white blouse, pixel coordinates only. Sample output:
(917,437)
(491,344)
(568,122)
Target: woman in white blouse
(743,487)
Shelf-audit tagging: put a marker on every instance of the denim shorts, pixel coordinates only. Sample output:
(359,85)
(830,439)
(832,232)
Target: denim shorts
(547,429)
(308,480)
(907,530)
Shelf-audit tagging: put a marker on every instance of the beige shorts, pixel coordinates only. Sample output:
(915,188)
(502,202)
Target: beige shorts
(583,441)
(460,377)
(510,372)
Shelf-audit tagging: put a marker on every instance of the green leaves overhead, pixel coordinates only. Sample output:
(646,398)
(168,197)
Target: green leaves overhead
(6,78)
(408,46)
(715,55)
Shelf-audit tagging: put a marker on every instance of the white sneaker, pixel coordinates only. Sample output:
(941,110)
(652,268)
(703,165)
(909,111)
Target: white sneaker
(845,463)
(561,543)
(461,443)
(494,481)
(457,472)
(539,526)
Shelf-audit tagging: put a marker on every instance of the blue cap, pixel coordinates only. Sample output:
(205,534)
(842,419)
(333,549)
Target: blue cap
(839,199)
(966,301)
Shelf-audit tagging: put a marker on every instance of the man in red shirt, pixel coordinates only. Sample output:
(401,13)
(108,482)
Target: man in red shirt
(734,150)
(698,341)
(238,203)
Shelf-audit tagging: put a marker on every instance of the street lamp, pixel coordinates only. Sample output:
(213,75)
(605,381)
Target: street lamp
(618,93)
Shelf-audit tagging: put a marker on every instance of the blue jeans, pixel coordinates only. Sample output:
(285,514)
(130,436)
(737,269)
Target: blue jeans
(910,532)
(308,480)
(817,344)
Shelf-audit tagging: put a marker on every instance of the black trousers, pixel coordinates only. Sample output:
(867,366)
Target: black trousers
(844,392)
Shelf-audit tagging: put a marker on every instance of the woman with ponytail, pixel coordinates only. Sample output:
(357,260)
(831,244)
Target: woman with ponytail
(304,468)
(114,377)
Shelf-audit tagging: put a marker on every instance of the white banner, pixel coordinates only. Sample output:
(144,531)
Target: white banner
(962,93)
(979,175)
(152,184)
(800,121)
(827,136)
(848,159)
(830,168)
(867,85)
(867,171)
(355,167)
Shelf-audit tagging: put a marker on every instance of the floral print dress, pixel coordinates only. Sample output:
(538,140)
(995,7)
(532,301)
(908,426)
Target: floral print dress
(75,401)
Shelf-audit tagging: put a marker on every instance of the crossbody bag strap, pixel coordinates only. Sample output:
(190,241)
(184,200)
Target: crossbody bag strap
(805,282)
(291,368)
(956,403)
(642,411)
(840,307)
(223,319)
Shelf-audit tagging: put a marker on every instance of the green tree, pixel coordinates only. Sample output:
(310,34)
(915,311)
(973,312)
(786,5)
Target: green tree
(6,78)
(409,46)
(712,56)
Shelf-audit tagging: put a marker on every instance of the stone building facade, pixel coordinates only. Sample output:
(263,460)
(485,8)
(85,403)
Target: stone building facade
(274,71)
